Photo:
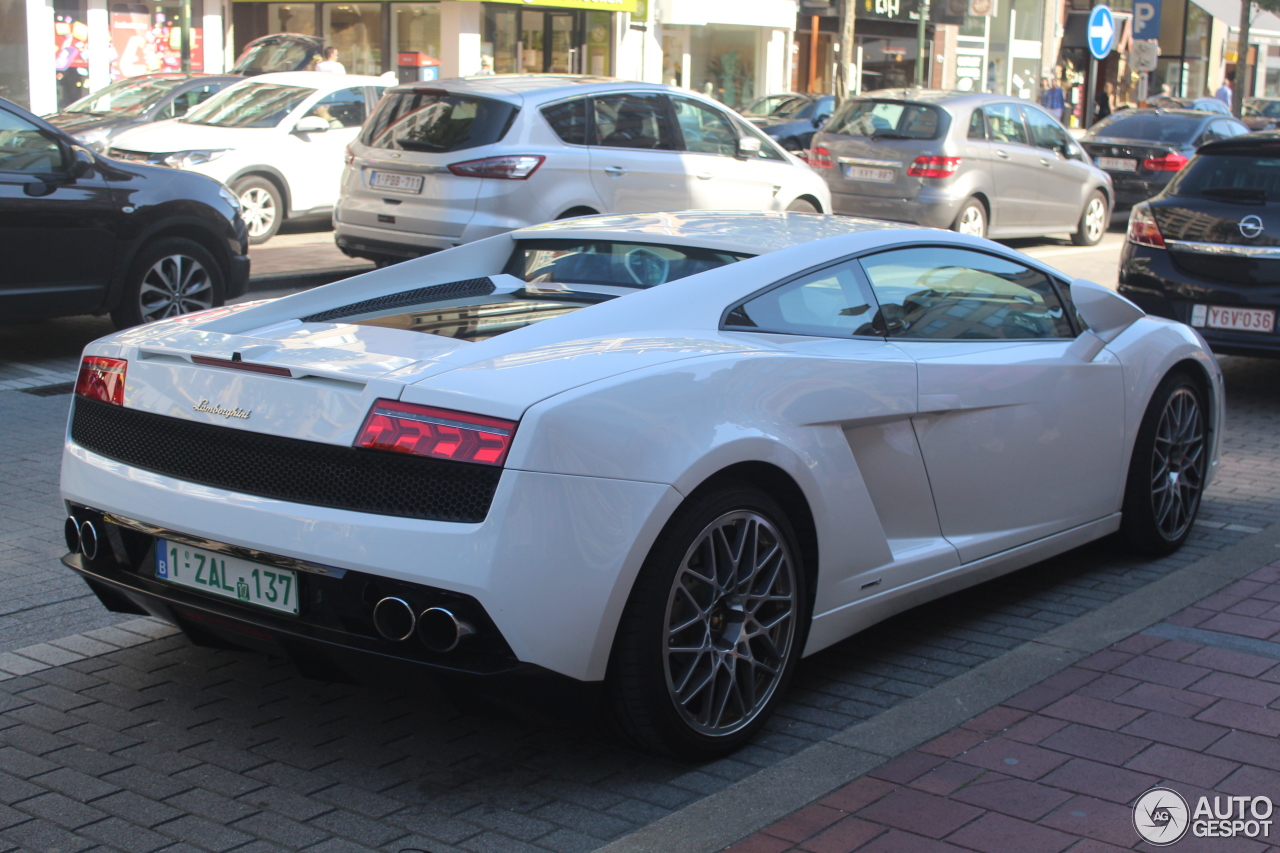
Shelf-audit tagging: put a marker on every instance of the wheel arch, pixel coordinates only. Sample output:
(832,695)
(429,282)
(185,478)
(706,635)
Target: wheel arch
(275,177)
(188,227)
(813,200)
(578,210)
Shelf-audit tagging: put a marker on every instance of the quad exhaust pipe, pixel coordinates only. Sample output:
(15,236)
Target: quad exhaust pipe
(437,627)
(81,536)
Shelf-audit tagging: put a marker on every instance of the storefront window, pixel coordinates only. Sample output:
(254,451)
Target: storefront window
(291,18)
(501,39)
(887,63)
(14,83)
(724,62)
(71,50)
(599,44)
(546,42)
(355,29)
(673,57)
(415,27)
(147,38)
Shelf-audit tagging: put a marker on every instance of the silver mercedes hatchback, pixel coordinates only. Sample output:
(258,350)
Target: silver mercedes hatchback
(980,164)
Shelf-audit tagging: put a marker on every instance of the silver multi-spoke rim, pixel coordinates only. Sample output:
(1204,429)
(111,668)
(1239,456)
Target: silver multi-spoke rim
(730,623)
(1093,219)
(175,284)
(971,221)
(1177,464)
(258,209)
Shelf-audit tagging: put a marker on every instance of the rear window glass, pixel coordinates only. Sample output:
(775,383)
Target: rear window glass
(437,121)
(1231,177)
(610,263)
(1152,128)
(887,120)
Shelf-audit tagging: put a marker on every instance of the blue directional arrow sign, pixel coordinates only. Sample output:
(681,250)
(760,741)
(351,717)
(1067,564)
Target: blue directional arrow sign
(1102,32)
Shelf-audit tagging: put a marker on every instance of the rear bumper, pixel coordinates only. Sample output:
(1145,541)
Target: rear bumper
(936,211)
(1131,190)
(1149,277)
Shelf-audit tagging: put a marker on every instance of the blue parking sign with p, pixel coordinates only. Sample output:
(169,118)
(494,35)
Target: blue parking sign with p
(1146,19)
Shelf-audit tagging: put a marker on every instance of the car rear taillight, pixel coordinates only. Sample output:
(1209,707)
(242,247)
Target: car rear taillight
(438,433)
(1171,162)
(934,167)
(820,158)
(513,167)
(1143,229)
(102,379)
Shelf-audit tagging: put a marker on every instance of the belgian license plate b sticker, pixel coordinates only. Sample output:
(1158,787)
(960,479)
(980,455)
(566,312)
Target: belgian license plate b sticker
(217,574)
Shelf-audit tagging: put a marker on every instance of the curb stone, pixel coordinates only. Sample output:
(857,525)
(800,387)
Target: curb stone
(717,821)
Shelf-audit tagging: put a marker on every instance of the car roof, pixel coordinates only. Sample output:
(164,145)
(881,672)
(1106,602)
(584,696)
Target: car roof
(940,97)
(317,79)
(1260,142)
(517,88)
(741,232)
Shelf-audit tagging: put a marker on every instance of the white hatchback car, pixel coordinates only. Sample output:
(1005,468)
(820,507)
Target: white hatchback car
(444,163)
(276,140)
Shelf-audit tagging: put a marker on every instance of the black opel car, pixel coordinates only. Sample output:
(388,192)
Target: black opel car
(84,234)
(1206,250)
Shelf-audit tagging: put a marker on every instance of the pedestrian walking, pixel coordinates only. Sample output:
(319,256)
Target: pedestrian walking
(1052,98)
(1102,102)
(330,63)
(1225,92)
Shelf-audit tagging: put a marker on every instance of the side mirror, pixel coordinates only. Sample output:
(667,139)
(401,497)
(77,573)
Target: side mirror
(748,145)
(311,124)
(81,162)
(819,121)
(1107,312)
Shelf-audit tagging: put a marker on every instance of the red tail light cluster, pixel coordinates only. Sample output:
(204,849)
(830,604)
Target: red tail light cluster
(438,433)
(102,379)
(513,167)
(934,167)
(1143,229)
(820,158)
(1171,162)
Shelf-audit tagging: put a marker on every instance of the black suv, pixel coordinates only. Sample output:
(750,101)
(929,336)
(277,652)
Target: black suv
(83,234)
(1206,250)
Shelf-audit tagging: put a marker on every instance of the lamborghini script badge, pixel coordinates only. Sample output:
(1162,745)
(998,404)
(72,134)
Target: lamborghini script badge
(215,409)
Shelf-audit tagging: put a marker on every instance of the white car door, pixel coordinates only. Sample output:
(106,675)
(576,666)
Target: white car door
(1021,425)
(635,167)
(717,178)
(313,160)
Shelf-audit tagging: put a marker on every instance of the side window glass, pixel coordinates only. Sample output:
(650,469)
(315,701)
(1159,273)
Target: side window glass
(1046,133)
(830,303)
(568,120)
(1004,124)
(977,125)
(24,148)
(344,108)
(631,121)
(705,130)
(928,293)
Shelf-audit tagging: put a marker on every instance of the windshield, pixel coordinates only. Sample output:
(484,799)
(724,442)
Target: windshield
(125,97)
(887,120)
(1259,107)
(1152,128)
(250,105)
(269,54)
(775,106)
(1230,177)
(610,263)
(434,120)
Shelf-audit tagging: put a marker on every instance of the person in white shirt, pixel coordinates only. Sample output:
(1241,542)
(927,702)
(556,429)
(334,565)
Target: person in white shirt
(330,63)
(1225,92)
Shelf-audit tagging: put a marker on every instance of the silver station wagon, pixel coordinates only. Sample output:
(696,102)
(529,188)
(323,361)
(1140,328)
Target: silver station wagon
(980,164)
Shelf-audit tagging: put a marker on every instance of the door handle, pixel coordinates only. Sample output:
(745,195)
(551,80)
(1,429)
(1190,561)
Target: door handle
(616,171)
(705,176)
(1045,163)
(1002,154)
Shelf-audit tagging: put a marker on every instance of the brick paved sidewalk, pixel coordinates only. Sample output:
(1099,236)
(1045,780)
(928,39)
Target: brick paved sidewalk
(1191,704)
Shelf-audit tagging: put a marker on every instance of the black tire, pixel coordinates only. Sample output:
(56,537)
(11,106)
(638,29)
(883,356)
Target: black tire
(261,207)
(576,211)
(801,205)
(1094,219)
(726,627)
(972,219)
(169,277)
(1167,471)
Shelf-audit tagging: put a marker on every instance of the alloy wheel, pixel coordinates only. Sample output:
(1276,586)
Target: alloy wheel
(258,209)
(175,284)
(1095,219)
(1178,464)
(730,623)
(972,221)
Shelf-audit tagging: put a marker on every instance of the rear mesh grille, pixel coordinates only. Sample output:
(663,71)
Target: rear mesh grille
(286,469)
(434,293)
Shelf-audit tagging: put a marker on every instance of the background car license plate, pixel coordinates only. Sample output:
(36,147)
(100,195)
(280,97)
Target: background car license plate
(229,577)
(397,182)
(1246,319)
(1117,164)
(868,173)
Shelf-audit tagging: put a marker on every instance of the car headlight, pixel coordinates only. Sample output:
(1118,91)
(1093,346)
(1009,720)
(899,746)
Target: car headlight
(230,198)
(95,140)
(187,159)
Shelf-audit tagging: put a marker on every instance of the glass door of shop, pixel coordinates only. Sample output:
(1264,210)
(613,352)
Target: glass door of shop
(538,41)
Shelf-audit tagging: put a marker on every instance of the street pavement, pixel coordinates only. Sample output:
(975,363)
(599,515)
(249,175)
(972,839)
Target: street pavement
(115,734)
